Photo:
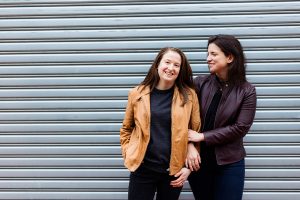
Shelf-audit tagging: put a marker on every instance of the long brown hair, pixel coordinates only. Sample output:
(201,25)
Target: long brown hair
(230,46)
(184,80)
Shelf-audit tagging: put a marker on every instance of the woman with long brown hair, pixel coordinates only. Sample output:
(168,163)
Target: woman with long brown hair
(227,105)
(154,134)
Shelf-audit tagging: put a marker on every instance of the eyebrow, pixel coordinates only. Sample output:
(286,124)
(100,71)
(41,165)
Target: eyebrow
(167,59)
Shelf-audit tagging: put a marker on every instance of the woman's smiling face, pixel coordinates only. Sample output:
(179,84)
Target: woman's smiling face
(169,68)
(217,61)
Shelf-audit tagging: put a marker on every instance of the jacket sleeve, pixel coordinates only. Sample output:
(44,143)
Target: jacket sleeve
(127,125)
(241,126)
(195,122)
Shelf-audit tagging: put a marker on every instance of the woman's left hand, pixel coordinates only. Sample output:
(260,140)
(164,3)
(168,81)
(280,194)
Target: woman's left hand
(194,136)
(193,159)
(182,175)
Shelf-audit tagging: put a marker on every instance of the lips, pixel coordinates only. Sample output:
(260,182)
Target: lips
(210,64)
(169,73)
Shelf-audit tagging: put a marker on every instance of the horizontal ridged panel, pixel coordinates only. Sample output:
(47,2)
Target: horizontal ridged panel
(93,149)
(276,103)
(118,116)
(117,81)
(150,9)
(87,46)
(123,195)
(122,184)
(133,57)
(217,20)
(283,91)
(66,68)
(110,126)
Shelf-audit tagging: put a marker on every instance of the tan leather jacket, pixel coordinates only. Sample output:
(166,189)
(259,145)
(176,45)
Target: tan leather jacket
(135,131)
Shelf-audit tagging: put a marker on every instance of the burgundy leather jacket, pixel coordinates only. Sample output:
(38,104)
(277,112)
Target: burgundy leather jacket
(234,116)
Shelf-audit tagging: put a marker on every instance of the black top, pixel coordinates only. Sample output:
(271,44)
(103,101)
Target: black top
(208,152)
(158,152)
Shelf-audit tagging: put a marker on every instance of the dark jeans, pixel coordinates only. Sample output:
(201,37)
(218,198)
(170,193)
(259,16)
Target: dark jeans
(144,183)
(218,182)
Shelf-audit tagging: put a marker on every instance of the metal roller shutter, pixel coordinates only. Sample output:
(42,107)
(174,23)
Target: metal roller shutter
(66,67)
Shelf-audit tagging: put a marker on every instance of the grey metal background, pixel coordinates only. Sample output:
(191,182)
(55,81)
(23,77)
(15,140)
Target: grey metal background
(66,67)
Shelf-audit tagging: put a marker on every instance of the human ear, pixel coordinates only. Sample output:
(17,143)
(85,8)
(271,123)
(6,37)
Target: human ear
(230,58)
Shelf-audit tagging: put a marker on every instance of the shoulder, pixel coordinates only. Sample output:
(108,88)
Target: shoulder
(199,81)
(191,93)
(248,87)
(137,90)
(202,78)
(248,91)
(133,91)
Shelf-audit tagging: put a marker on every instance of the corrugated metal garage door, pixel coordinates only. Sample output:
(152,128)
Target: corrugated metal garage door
(66,67)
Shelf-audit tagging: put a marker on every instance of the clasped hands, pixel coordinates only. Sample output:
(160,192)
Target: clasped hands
(193,159)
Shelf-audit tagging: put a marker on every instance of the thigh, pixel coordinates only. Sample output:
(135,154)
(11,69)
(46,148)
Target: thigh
(142,185)
(230,181)
(165,190)
(202,183)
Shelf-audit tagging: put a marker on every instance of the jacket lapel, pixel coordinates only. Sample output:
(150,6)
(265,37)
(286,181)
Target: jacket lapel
(144,96)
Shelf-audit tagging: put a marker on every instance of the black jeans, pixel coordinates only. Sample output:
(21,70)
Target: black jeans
(218,182)
(144,183)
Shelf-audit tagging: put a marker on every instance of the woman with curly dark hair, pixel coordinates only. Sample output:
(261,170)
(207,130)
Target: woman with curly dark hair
(227,105)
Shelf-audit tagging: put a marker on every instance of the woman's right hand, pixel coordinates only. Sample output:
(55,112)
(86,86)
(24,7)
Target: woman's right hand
(193,159)
(181,176)
(194,136)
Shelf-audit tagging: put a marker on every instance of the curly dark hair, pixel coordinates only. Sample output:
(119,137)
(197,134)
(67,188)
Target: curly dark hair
(231,46)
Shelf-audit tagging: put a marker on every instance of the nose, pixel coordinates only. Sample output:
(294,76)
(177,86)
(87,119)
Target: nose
(171,66)
(208,58)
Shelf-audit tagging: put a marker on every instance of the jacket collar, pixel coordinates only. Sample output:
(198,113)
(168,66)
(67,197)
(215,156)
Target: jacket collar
(218,82)
(224,87)
(142,90)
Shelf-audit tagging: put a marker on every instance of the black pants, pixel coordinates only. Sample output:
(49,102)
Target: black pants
(217,182)
(144,183)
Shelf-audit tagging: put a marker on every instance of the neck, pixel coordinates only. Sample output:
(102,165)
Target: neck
(222,77)
(164,86)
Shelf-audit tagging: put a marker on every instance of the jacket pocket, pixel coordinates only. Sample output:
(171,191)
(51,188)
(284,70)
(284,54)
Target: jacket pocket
(133,144)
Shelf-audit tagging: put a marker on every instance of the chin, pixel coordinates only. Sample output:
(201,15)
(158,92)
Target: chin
(211,71)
